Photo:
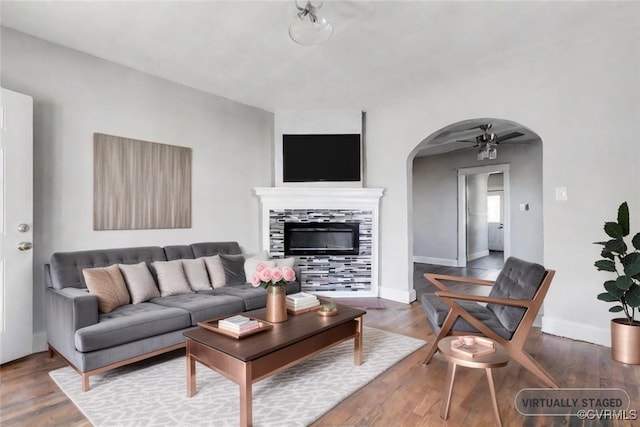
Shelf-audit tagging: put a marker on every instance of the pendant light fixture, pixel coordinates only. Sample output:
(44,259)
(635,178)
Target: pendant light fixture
(308,28)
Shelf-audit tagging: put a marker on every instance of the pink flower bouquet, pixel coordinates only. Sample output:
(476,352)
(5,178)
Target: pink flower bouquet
(265,276)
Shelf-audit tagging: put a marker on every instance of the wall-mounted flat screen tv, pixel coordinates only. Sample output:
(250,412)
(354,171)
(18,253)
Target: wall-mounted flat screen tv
(328,157)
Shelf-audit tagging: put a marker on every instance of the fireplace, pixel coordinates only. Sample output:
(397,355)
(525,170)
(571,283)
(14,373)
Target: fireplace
(321,238)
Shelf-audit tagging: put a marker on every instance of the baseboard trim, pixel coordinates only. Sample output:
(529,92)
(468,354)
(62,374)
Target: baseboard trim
(477,255)
(576,331)
(406,296)
(436,261)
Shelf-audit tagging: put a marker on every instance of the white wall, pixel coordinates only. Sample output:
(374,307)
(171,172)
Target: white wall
(76,95)
(585,104)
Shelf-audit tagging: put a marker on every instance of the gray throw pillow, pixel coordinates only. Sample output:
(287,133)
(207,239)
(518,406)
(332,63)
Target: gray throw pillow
(233,266)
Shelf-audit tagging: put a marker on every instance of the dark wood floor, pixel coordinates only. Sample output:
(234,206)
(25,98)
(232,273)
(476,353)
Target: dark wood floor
(408,394)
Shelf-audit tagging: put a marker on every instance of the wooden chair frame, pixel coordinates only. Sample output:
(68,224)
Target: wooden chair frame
(513,346)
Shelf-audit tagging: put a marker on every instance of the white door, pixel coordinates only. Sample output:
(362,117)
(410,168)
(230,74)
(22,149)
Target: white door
(495,210)
(16,223)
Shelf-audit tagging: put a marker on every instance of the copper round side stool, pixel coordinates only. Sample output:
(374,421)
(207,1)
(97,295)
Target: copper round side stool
(497,359)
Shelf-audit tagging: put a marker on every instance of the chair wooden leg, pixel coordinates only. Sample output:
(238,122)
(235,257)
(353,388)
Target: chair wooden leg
(532,366)
(431,350)
(444,331)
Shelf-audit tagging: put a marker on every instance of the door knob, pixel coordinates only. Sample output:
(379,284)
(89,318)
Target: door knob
(25,246)
(23,228)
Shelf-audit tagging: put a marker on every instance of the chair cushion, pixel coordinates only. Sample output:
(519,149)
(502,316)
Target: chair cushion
(130,323)
(518,280)
(437,311)
(202,306)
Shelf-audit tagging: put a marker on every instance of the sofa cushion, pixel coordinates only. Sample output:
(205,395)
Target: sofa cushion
(202,306)
(130,323)
(107,284)
(196,273)
(171,278)
(139,282)
(66,267)
(178,252)
(253,298)
(233,266)
(215,248)
(215,270)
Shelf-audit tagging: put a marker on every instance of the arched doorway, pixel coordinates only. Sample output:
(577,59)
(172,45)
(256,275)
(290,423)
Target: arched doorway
(442,165)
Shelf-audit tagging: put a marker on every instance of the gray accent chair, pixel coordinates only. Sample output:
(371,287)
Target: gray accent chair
(511,308)
(93,342)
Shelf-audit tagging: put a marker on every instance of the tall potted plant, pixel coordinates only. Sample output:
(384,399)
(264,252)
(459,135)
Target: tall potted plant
(624,290)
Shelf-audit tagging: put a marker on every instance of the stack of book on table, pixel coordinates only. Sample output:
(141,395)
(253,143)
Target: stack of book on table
(302,301)
(238,324)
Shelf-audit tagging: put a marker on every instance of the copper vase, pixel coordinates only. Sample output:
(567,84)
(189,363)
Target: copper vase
(276,304)
(625,341)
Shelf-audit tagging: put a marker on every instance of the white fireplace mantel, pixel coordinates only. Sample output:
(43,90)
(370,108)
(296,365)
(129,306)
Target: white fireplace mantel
(278,198)
(316,197)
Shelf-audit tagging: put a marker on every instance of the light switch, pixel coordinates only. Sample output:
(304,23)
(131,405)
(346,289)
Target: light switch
(524,206)
(561,194)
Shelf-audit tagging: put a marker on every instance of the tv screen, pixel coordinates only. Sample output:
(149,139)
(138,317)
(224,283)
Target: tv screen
(330,157)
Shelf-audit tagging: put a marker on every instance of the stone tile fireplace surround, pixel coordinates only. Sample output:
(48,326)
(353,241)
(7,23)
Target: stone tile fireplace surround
(329,275)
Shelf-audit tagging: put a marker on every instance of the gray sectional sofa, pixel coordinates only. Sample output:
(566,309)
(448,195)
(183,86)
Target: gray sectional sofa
(93,342)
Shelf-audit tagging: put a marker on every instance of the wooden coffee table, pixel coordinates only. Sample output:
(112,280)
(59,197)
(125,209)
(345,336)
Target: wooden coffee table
(253,358)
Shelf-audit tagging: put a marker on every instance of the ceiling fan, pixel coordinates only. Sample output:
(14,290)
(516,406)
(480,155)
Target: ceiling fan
(487,142)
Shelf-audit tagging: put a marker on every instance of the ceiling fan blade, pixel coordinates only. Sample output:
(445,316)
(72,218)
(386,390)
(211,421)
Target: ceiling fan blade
(507,136)
(484,126)
(466,140)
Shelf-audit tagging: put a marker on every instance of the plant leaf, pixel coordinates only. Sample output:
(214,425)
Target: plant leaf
(600,243)
(613,229)
(613,289)
(616,309)
(616,245)
(623,218)
(607,297)
(624,282)
(636,241)
(631,264)
(605,265)
(632,297)
(606,254)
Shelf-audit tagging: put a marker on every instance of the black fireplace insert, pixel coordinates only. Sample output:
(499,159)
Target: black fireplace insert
(321,238)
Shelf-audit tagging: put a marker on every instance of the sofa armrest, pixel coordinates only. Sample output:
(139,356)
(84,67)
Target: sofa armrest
(68,310)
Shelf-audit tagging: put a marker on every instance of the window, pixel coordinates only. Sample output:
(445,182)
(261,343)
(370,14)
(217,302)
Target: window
(493,208)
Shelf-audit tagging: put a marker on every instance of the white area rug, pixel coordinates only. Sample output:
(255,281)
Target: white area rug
(156,395)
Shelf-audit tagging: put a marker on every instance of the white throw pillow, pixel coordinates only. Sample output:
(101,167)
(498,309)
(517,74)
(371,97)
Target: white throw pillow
(196,273)
(284,262)
(215,270)
(139,281)
(171,278)
(251,263)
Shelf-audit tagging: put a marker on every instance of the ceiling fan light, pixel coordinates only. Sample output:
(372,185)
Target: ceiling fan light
(493,153)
